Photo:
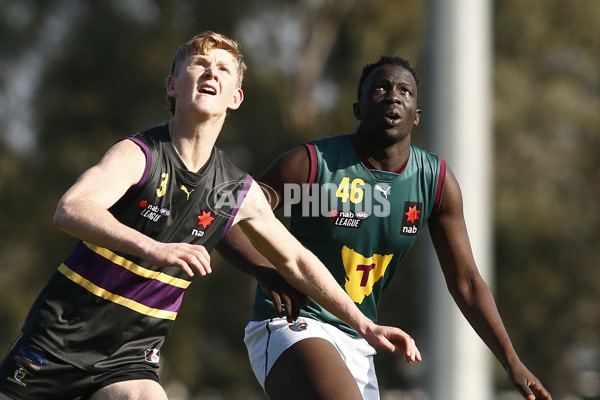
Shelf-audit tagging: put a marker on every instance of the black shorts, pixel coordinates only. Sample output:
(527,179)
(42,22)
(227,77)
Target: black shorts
(30,373)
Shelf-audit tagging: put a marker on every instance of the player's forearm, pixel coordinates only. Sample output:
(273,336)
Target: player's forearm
(94,224)
(237,249)
(308,275)
(477,304)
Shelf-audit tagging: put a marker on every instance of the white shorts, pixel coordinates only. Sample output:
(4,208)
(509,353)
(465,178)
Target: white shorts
(267,340)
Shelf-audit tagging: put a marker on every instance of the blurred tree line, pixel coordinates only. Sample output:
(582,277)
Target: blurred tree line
(77,76)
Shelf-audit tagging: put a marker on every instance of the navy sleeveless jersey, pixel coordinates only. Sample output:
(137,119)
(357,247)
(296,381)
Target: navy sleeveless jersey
(104,308)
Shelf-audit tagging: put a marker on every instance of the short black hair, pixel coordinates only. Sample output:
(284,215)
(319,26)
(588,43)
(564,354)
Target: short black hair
(386,60)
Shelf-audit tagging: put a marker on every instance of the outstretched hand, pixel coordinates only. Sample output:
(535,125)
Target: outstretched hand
(188,257)
(527,384)
(281,293)
(394,340)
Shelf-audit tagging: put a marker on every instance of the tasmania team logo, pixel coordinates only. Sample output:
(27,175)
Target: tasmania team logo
(362,272)
(298,326)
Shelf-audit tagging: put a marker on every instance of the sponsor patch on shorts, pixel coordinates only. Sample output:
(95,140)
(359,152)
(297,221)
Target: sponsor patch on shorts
(24,355)
(152,355)
(18,377)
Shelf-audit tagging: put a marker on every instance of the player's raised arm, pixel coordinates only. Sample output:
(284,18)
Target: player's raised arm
(291,168)
(305,272)
(83,212)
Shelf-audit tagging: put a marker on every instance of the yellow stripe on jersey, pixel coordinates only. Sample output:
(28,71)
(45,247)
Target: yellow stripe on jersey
(137,269)
(105,294)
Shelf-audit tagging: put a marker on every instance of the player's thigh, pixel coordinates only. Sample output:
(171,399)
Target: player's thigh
(140,389)
(311,369)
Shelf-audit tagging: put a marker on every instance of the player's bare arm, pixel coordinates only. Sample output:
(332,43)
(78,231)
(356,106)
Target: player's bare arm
(291,167)
(237,249)
(472,295)
(83,213)
(307,274)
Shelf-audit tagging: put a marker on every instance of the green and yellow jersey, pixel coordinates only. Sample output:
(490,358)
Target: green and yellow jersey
(358,220)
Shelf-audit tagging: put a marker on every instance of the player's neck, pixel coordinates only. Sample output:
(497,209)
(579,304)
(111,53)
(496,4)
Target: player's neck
(385,155)
(193,142)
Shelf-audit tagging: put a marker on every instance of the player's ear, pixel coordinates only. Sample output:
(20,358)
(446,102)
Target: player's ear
(356,109)
(236,100)
(417,117)
(171,86)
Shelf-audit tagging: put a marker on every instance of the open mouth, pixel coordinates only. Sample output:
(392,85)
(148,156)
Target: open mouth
(208,90)
(393,118)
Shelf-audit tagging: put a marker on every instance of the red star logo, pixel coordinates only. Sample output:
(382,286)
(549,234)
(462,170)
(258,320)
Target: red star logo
(333,213)
(205,219)
(412,214)
(144,203)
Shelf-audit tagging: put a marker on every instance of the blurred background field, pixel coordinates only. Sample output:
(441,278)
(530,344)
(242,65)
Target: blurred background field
(77,76)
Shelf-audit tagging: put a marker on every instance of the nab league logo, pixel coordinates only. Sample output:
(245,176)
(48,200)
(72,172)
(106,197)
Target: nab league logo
(152,212)
(348,219)
(298,326)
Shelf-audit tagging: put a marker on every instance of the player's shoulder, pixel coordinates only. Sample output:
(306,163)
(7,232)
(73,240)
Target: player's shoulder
(332,141)
(124,150)
(424,153)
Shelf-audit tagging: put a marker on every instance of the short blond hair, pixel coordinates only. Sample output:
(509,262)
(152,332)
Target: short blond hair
(202,44)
